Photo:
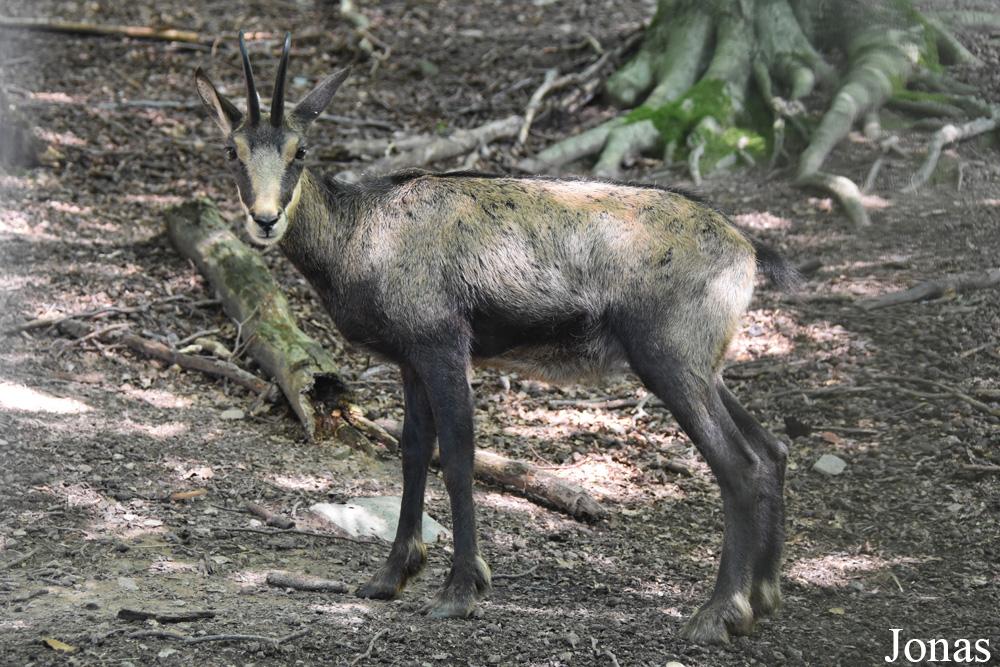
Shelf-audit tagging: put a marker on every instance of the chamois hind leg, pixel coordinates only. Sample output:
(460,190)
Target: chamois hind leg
(445,374)
(408,555)
(765,588)
(690,394)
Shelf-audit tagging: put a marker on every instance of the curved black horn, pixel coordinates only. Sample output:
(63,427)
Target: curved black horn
(253,104)
(278,98)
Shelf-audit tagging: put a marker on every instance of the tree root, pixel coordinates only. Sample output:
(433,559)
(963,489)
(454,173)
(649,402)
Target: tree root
(886,46)
(844,189)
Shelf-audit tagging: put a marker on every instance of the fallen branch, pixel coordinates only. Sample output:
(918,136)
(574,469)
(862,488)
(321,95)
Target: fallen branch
(890,384)
(886,145)
(844,189)
(179,617)
(300,583)
(551,83)
(305,371)
(947,389)
(79,28)
(167,634)
(158,350)
(442,148)
(309,533)
(981,468)
(567,496)
(10,565)
(271,518)
(933,289)
(493,468)
(45,322)
(947,135)
(371,646)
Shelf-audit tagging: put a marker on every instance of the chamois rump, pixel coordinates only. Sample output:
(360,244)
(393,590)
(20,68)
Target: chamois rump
(555,278)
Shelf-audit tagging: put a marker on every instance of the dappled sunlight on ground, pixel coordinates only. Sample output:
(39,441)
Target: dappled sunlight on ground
(298,482)
(762,220)
(157,397)
(763,332)
(19,397)
(840,569)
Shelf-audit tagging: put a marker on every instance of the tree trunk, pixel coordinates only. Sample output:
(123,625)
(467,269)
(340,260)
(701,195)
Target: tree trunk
(304,370)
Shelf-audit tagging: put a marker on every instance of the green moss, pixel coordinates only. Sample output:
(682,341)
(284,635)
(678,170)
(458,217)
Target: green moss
(731,132)
(916,95)
(676,119)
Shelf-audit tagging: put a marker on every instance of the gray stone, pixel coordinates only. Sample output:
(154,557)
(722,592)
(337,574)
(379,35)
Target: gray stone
(378,516)
(831,465)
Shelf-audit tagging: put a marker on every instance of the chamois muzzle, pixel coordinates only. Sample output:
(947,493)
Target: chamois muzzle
(266,224)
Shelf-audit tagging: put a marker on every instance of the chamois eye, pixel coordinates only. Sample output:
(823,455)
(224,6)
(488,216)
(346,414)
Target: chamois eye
(230,152)
(300,154)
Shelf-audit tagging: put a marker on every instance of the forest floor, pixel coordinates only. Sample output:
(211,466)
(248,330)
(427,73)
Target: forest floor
(94,438)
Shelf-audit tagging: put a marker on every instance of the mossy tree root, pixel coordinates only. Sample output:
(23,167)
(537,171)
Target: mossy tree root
(775,42)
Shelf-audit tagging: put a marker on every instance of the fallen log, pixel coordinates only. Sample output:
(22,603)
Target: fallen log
(933,289)
(305,583)
(567,496)
(305,371)
(493,468)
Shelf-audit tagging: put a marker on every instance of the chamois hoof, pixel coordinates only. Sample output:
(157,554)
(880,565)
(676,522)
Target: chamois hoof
(463,588)
(380,589)
(765,597)
(405,562)
(715,622)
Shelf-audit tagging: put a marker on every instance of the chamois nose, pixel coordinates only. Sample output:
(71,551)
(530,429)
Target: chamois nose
(266,222)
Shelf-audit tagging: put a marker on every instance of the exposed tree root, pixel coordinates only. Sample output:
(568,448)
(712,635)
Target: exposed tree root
(887,45)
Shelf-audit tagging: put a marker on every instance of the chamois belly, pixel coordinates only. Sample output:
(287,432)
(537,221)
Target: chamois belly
(573,348)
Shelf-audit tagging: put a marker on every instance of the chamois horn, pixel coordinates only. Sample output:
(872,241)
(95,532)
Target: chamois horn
(253,104)
(278,97)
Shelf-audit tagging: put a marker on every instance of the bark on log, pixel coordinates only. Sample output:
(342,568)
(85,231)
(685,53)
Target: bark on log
(568,496)
(493,468)
(304,370)
(933,289)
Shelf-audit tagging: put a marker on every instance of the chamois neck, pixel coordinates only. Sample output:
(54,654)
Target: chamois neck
(321,216)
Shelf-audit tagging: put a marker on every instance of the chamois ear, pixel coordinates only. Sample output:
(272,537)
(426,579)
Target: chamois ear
(222,111)
(309,109)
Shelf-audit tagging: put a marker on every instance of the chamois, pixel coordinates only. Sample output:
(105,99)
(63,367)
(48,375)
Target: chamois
(551,277)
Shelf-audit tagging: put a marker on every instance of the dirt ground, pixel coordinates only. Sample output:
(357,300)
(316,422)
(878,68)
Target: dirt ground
(94,438)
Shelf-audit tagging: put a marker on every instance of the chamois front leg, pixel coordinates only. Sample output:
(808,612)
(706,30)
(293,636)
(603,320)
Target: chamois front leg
(446,378)
(408,555)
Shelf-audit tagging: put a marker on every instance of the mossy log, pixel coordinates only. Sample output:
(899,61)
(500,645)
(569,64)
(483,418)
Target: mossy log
(307,374)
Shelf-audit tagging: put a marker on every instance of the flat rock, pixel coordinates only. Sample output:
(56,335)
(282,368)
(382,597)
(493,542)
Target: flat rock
(830,465)
(378,516)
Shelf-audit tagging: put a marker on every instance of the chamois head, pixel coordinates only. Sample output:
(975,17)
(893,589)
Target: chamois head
(266,151)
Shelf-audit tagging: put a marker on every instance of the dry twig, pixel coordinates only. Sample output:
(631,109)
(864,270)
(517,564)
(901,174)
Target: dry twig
(186,639)
(947,135)
(371,646)
(300,583)
(933,289)
(80,28)
(271,518)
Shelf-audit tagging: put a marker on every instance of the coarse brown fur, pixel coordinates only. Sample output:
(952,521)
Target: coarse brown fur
(560,279)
